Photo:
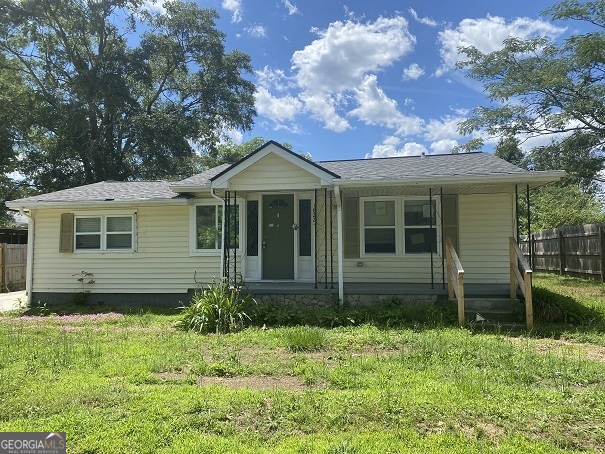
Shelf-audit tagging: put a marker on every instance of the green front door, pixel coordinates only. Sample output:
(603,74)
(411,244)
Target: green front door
(278,236)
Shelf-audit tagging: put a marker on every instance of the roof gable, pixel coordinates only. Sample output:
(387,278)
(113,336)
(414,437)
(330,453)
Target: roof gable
(221,180)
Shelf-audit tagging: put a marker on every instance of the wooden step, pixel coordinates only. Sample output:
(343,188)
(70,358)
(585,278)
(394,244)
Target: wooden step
(488,304)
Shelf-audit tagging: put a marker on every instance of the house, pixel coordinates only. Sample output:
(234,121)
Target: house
(333,229)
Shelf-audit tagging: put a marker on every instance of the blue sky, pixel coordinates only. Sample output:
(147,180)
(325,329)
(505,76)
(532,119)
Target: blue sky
(355,79)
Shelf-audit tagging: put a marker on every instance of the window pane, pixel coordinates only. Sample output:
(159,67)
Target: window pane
(119,241)
(86,225)
(379,213)
(119,224)
(304,235)
(252,234)
(416,212)
(88,241)
(206,232)
(420,240)
(380,240)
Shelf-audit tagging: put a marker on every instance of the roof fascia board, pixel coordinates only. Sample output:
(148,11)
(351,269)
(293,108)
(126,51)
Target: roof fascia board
(96,204)
(543,177)
(222,179)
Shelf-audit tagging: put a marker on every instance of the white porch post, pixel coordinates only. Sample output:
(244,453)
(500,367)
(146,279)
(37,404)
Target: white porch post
(341,284)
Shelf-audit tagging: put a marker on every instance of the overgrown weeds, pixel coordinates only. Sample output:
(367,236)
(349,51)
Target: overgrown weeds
(219,308)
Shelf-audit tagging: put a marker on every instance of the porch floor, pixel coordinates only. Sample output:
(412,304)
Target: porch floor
(373,288)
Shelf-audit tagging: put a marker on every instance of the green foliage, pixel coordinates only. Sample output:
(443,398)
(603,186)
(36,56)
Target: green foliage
(85,280)
(115,92)
(509,150)
(538,87)
(219,308)
(386,313)
(304,338)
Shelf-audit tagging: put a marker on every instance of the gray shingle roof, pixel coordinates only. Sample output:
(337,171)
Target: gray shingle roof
(430,166)
(440,165)
(202,179)
(106,191)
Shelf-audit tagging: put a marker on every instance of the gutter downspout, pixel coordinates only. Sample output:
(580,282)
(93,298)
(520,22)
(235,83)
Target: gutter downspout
(29,276)
(340,243)
(213,194)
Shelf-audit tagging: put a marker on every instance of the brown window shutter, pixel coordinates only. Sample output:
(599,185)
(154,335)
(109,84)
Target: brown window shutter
(351,228)
(66,239)
(450,219)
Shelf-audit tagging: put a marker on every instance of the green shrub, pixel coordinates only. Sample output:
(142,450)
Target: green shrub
(386,313)
(219,308)
(551,307)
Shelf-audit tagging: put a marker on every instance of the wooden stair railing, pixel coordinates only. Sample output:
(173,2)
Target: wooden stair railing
(522,281)
(455,278)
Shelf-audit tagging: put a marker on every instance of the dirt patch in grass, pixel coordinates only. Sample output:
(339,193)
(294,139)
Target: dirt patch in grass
(562,348)
(479,429)
(256,382)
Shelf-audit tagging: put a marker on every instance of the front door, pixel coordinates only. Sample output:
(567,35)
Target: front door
(278,236)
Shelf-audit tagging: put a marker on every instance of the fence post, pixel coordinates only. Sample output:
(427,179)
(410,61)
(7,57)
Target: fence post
(561,253)
(602,250)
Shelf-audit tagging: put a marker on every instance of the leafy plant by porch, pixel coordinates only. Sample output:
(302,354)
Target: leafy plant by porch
(218,308)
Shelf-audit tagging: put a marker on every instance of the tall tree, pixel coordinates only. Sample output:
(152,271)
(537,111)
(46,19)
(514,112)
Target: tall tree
(108,103)
(539,87)
(508,149)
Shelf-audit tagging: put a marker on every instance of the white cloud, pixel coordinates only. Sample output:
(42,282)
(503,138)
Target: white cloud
(292,9)
(345,52)
(422,20)
(487,35)
(388,148)
(323,108)
(376,108)
(444,145)
(257,31)
(277,109)
(413,72)
(154,6)
(446,128)
(235,6)
(274,79)
(235,136)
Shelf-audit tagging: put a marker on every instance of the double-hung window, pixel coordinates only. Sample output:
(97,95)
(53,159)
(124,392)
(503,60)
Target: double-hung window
(209,227)
(104,233)
(398,226)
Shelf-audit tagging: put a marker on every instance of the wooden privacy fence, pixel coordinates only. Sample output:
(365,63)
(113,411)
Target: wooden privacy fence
(569,251)
(13,263)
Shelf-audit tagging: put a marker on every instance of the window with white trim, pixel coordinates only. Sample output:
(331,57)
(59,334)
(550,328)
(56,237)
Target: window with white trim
(104,233)
(208,227)
(398,226)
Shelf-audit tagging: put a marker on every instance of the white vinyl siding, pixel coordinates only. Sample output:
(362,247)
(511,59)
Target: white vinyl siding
(273,173)
(162,263)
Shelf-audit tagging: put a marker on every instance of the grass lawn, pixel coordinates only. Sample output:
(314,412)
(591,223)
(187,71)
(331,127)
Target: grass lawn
(129,382)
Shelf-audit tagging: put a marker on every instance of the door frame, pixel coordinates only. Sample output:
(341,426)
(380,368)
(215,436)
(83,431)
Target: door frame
(297,196)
